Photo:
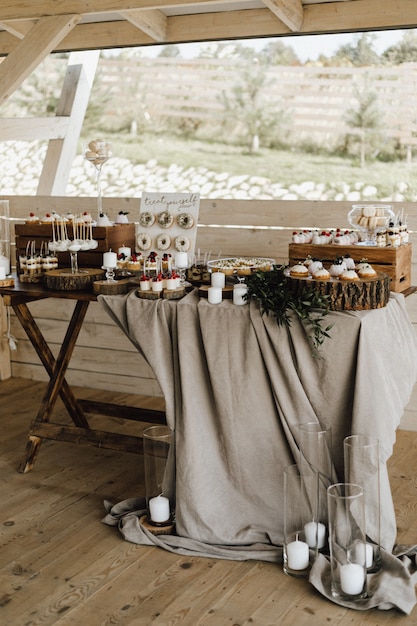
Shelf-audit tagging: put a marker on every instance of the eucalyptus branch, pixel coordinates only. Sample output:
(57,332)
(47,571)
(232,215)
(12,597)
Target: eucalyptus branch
(274,293)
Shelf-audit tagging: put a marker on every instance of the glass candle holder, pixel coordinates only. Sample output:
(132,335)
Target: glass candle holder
(315,444)
(361,461)
(347,541)
(158,450)
(300,514)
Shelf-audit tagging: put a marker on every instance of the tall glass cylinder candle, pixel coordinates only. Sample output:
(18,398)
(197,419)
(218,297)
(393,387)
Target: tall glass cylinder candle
(315,445)
(300,508)
(5,236)
(347,541)
(361,461)
(158,452)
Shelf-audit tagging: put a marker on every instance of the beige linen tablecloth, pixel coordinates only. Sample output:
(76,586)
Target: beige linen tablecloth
(237,386)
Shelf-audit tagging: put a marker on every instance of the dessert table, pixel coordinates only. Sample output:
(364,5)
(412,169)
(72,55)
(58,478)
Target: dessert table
(237,386)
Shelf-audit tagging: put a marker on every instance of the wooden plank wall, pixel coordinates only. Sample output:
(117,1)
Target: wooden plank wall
(104,358)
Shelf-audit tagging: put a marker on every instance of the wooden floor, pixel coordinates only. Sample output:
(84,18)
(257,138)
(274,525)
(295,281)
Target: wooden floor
(60,565)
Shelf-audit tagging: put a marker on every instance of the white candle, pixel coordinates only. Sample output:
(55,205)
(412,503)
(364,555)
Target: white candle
(5,262)
(297,555)
(110,259)
(352,578)
(181,259)
(315,534)
(159,509)
(369,551)
(2,273)
(214,295)
(239,293)
(218,279)
(126,251)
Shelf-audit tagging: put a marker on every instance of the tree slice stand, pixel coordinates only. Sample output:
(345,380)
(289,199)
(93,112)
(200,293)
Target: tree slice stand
(354,295)
(166,529)
(65,280)
(111,287)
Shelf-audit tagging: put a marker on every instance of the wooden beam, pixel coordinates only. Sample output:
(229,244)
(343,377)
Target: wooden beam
(73,104)
(42,38)
(288,11)
(32,128)
(153,23)
(33,9)
(18,28)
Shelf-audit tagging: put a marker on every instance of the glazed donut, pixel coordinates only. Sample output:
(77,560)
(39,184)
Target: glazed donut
(144,241)
(182,243)
(163,242)
(146,219)
(165,219)
(185,220)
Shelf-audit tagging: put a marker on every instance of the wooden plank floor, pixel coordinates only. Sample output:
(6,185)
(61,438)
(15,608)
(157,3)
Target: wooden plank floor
(60,565)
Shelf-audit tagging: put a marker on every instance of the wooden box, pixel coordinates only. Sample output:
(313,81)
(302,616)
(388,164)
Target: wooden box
(108,238)
(396,262)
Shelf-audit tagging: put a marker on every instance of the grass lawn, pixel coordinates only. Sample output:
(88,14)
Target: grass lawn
(280,166)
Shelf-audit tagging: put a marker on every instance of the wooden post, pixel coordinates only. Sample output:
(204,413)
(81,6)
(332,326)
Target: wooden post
(5,367)
(73,104)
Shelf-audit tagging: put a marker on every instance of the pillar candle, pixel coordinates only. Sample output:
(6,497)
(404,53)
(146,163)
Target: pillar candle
(214,295)
(2,273)
(239,294)
(126,251)
(5,262)
(110,259)
(315,533)
(297,555)
(218,279)
(159,509)
(352,578)
(181,260)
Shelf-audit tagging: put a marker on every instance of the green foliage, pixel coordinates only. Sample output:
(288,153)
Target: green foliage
(275,295)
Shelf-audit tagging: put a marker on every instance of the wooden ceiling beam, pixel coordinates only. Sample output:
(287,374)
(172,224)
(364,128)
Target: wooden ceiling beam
(42,38)
(333,17)
(290,12)
(18,28)
(32,9)
(154,23)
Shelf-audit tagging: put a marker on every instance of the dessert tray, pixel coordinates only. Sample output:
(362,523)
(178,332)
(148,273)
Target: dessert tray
(241,266)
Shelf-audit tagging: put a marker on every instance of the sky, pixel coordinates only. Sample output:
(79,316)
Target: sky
(307,47)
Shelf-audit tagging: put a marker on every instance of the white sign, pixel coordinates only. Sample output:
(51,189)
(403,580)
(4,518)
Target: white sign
(168,223)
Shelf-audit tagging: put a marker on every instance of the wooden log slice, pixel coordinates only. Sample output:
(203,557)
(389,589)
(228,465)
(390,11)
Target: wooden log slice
(65,280)
(354,295)
(167,529)
(111,288)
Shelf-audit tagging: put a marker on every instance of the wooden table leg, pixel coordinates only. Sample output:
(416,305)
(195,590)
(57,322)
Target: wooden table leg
(56,369)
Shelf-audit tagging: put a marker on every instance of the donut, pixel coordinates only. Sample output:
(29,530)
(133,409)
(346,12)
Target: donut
(182,243)
(146,219)
(144,241)
(165,219)
(163,242)
(185,220)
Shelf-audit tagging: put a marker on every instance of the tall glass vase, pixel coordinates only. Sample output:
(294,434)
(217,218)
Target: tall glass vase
(361,460)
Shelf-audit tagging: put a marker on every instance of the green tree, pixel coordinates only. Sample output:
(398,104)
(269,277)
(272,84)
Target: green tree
(365,119)
(277,53)
(403,52)
(252,116)
(361,52)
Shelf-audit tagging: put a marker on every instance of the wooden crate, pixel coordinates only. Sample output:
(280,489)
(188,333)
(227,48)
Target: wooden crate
(396,262)
(108,237)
